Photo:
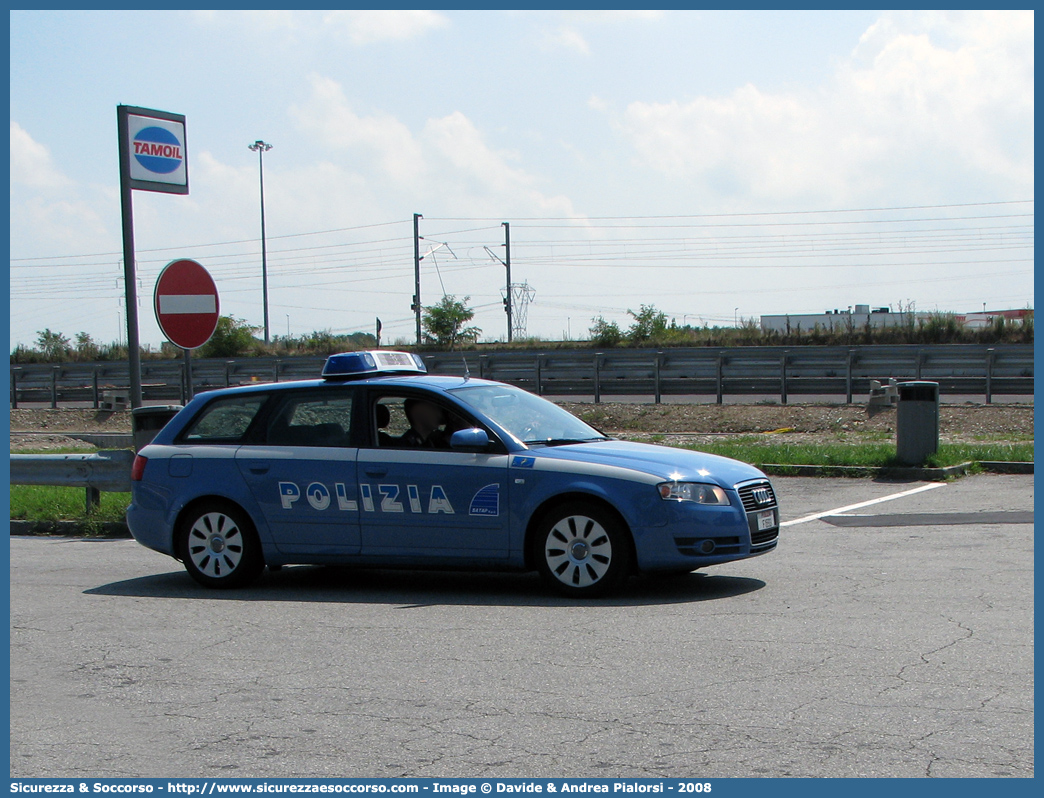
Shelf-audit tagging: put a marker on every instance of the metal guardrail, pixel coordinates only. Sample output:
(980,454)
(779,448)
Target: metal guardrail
(960,369)
(753,371)
(108,471)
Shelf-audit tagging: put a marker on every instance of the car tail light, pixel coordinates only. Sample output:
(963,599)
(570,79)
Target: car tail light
(138,469)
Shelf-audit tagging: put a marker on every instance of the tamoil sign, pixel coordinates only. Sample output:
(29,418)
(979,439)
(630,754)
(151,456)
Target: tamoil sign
(153,149)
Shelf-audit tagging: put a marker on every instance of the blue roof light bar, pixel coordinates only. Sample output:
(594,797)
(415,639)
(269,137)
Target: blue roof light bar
(349,365)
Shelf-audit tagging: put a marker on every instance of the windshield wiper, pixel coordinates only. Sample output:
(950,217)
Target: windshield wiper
(563,441)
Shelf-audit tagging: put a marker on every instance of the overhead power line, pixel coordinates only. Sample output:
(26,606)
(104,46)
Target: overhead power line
(867,248)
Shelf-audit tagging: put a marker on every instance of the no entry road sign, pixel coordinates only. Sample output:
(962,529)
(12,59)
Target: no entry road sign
(186,302)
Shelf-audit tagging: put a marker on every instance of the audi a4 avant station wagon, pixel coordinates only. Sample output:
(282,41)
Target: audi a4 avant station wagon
(381,464)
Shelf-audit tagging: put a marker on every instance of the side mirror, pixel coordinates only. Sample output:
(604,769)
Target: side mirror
(470,440)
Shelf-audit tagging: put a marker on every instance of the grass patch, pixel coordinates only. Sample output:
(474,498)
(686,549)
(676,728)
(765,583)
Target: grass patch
(954,453)
(51,503)
(756,449)
(1007,437)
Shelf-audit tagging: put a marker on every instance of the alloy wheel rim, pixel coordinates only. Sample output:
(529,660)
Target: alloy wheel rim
(215,545)
(578,551)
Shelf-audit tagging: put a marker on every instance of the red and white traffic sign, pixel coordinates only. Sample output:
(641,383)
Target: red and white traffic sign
(186,303)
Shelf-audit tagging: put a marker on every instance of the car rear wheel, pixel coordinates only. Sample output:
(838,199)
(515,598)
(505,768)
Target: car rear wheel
(219,546)
(583,551)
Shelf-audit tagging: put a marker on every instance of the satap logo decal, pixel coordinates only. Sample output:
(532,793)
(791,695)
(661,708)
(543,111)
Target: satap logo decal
(158,150)
(486,501)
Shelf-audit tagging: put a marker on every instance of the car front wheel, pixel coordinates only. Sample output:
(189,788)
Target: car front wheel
(583,551)
(219,546)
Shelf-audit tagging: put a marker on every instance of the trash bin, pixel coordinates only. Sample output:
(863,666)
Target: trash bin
(147,421)
(917,421)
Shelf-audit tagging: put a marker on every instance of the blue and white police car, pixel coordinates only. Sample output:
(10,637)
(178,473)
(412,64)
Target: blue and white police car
(381,464)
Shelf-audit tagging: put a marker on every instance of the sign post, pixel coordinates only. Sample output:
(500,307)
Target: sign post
(187,308)
(153,157)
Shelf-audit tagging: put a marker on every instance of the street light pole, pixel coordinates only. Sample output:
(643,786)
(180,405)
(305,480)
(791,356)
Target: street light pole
(416,306)
(507,265)
(261,147)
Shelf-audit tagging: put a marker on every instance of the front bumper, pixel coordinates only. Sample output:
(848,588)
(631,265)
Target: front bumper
(697,536)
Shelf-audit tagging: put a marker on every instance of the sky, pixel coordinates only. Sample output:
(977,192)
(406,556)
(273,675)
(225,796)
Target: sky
(717,166)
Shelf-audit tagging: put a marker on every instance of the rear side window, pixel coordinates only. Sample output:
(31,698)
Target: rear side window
(311,420)
(225,420)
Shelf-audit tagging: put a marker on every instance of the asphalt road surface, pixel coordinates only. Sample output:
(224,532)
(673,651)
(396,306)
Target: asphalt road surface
(892,639)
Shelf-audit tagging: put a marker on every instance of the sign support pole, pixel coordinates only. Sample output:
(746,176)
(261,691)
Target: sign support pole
(188,375)
(163,166)
(129,278)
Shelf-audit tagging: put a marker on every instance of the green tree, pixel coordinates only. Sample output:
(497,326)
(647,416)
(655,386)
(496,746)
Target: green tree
(321,341)
(650,325)
(86,349)
(605,333)
(444,323)
(232,338)
(53,345)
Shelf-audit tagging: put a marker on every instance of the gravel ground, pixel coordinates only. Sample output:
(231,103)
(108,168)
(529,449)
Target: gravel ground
(957,423)
(42,430)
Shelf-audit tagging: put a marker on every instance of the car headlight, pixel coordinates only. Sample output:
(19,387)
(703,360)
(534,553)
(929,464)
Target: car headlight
(693,492)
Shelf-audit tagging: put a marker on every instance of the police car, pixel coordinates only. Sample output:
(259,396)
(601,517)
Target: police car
(381,464)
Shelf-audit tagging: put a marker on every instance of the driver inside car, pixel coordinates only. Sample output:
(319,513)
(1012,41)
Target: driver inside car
(426,422)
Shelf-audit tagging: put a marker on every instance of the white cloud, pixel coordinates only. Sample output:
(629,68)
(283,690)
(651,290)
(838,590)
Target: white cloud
(327,114)
(65,221)
(708,135)
(565,38)
(457,139)
(568,36)
(264,20)
(971,101)
(50,211)
(31,163)
(613,17)
(483,180)
(447,161)
(271,19)
(359,27)
(921,98)
(367,27)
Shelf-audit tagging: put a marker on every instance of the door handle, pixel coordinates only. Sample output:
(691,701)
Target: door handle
(261,469)
(376,473)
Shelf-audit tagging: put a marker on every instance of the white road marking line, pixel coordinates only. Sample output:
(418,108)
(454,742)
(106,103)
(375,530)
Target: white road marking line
(840,510)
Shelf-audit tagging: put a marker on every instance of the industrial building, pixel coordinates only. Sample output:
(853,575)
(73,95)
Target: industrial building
(850,318)
(856,317)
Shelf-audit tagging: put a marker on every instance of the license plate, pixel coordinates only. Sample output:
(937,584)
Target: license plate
(766,520)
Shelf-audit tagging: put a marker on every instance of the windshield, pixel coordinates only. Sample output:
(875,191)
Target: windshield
(529,418)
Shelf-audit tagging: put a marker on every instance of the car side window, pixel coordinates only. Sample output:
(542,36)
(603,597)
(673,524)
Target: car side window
(310,420)
(411,423)
(225,420)
(390,419)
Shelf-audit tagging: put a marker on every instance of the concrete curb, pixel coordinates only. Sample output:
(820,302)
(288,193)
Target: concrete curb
(999,467)
(69,529)
(116,530)
(898,473)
